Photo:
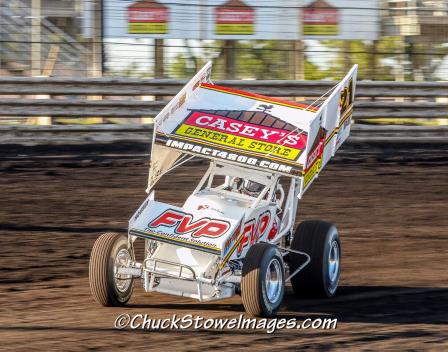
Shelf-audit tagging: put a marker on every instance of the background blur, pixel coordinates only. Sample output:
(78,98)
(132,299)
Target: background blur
(391,40)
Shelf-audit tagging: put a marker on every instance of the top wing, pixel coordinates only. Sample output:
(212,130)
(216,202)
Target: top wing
(240,128)
(253,130)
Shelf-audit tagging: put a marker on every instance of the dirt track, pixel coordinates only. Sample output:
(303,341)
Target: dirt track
(390,205)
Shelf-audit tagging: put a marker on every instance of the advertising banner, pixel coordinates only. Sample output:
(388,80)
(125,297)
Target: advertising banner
(320,18)
(147,17)
(340,20)
(234,17)
(242,19)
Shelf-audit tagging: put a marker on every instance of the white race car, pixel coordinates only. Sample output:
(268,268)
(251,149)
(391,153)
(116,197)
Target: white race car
(235,233)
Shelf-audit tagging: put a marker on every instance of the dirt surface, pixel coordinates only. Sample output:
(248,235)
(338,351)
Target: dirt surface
(389,202)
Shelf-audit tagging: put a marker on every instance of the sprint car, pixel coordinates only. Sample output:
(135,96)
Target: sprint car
(235,234)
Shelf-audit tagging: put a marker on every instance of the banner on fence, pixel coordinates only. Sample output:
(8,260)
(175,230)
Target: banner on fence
(242,19)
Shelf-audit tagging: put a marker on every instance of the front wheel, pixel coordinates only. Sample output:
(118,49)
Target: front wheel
(263,280)
(320,278)
(109,288)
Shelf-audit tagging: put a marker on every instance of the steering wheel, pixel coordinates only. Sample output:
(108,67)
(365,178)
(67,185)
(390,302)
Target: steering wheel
(235,184)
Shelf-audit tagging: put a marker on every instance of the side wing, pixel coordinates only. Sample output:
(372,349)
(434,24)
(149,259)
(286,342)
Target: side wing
(162,158)
(330,129)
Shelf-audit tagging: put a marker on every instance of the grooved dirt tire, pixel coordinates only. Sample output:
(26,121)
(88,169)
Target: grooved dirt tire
(320,278)
(263,280)
(103,285)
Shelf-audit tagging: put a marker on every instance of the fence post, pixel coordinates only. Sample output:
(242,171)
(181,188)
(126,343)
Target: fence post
(229,56)
(96,66)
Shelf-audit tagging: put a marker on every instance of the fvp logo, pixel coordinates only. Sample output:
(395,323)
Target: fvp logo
(183,224)
(253,231)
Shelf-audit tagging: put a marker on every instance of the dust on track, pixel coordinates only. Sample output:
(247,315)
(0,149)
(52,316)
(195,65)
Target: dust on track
(389,202)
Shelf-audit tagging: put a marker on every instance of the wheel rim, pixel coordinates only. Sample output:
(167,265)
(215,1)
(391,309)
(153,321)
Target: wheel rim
(273,280)
(333,261)
(122,259)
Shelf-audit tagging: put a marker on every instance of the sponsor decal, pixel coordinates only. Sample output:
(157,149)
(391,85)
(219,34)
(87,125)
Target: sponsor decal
(207,207)
(313,170)
(162,118)
(235,127)
(170,237)
(182,99)
(255,138)
(317,148)
(245,236)
(249,137)
(148,17)
(253,231)
(211,151)
(314,158)
(140,210)
(346,100)
(346,109)
(197,84)
(265,107)
(183,224)
(238,142)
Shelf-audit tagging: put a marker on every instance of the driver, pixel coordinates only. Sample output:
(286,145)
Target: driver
(245,186)
(252,188)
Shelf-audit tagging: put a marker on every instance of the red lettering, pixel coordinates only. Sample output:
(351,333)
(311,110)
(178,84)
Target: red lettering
(168,218)
(186,225)
(247,234)
(263,223)
(252,233)
(212,229)
(273,232)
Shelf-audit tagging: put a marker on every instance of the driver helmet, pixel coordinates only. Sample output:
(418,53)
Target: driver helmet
(252,188)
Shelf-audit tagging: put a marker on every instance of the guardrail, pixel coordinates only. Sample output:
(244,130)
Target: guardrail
(74,97)
(111,133)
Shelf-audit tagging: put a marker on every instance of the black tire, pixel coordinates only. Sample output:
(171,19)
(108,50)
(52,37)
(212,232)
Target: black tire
(101,271)
(259,258)
(315,238)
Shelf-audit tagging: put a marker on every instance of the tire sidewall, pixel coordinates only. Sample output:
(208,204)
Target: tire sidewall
(121,297)
(269,308)
(330,287)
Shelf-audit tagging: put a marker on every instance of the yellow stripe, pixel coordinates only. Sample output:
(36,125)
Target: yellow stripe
(227,257)
(331,135)
(336,130)
(312,171)
(347,115)
(181,241)
(259,98)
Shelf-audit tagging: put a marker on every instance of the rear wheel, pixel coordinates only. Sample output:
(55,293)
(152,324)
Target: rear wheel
(109,288)
(320,278)
(263,280)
